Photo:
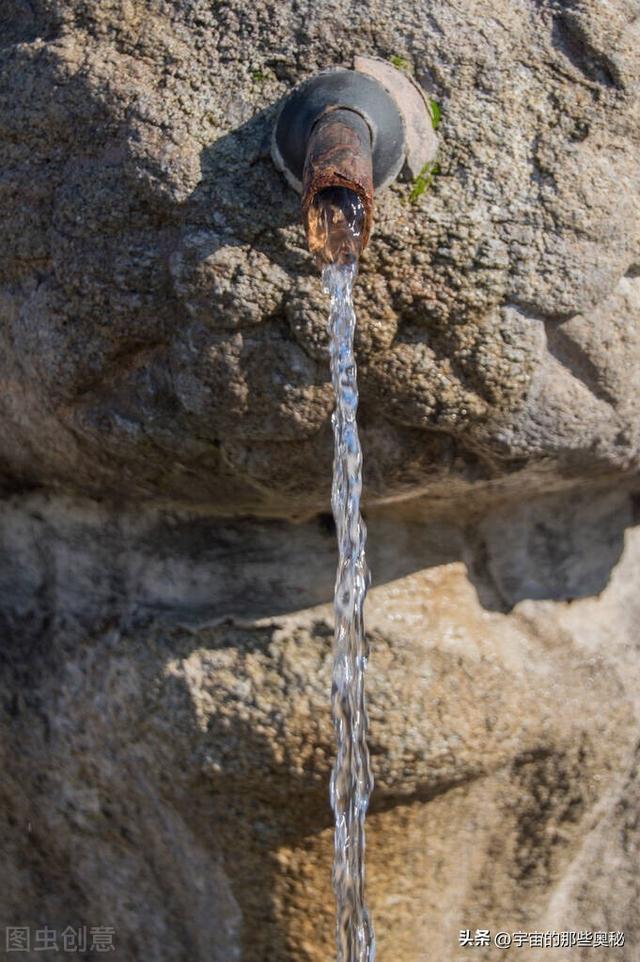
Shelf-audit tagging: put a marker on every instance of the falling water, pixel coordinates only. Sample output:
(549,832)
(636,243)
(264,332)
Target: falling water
(338,230)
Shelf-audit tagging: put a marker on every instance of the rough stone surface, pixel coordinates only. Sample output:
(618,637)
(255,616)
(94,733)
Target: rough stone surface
(166,734)
(165,629)
(163,329)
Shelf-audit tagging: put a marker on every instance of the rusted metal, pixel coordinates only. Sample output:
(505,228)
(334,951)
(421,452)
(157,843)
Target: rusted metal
(333,90)
(354,129)
(339,155)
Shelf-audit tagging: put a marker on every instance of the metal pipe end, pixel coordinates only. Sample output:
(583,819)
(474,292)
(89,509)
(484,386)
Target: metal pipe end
(338,155)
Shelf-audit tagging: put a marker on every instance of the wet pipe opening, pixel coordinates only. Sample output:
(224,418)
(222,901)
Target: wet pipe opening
(337,186)
(336,223)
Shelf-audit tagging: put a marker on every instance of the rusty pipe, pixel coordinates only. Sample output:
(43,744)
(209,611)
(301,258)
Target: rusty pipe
(338,155)
(339,129)
(319,138)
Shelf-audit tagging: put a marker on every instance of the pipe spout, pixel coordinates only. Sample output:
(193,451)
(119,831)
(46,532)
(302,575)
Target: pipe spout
(338,165)
(351,130)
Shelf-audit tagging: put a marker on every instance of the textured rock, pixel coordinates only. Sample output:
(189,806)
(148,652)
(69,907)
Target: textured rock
(166,736)
(165,740)
(163,330)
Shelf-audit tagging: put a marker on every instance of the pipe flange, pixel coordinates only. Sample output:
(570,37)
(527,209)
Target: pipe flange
(394,107)
(340,89)
(414,105)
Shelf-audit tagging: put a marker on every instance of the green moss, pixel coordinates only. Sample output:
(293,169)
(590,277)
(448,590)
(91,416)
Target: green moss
(258,76)
(436,114)
(423,181)
(400,63)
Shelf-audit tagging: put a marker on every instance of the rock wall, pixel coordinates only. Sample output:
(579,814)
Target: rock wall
(167,734)
(167,557)
(164,329)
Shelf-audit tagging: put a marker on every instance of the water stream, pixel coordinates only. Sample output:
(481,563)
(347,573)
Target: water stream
(339,227)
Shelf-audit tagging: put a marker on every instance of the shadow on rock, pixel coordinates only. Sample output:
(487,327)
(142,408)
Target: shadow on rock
(559,547)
